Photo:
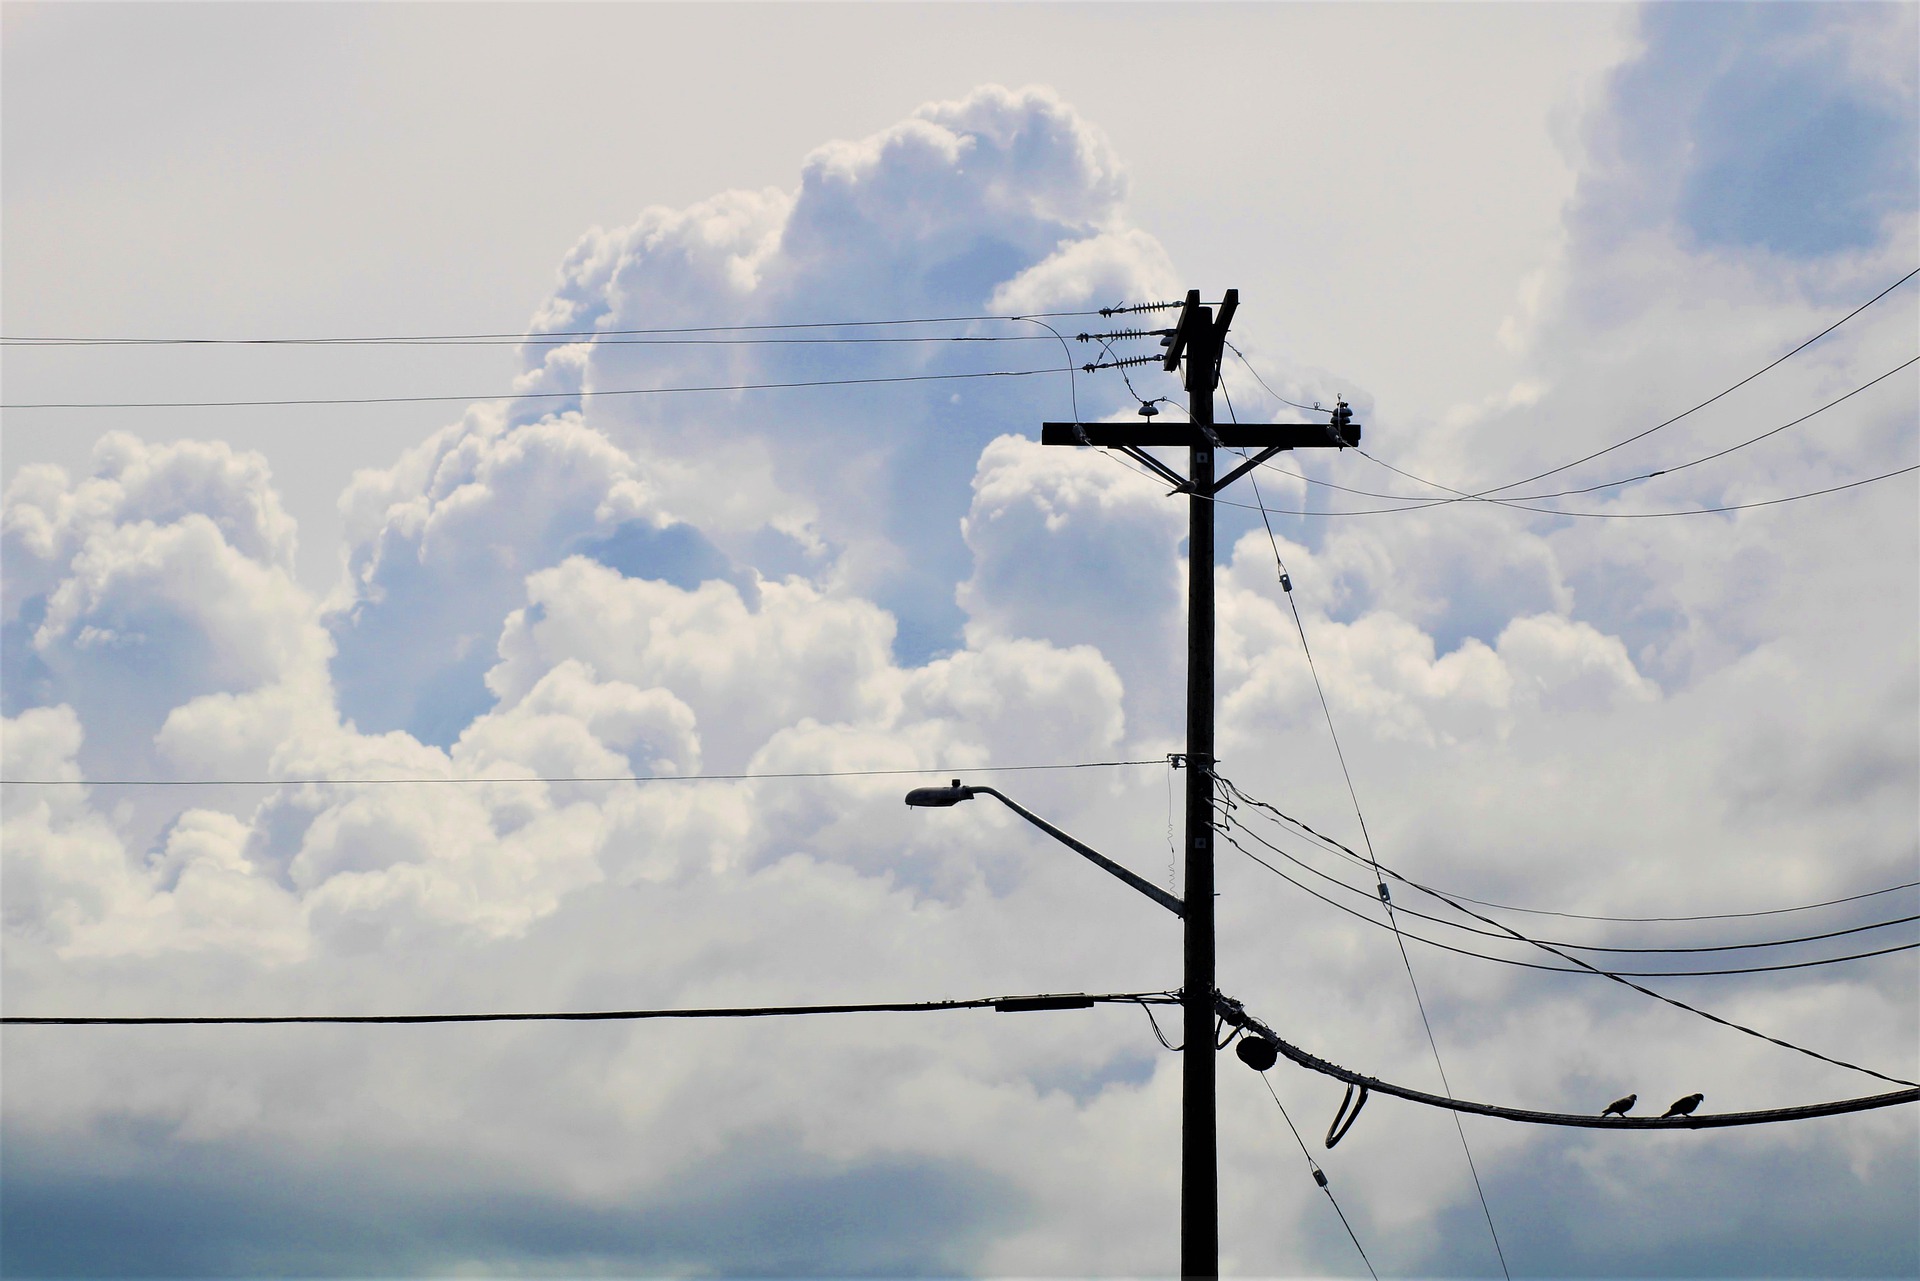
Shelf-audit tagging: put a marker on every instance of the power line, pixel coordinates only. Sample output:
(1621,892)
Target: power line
(1319,1176)
(576,334)
(1433,1043)
(1714,916)
(1536,965)
(1697,1121)
(539,340)
(1333,846)
(600,778)
(1716,396)
(1614,975)
(1586,515)
(1052,1001)
(535,395)
(1601,947)
(1420,502)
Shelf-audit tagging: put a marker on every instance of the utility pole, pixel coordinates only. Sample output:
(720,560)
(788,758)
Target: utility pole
(1200,338)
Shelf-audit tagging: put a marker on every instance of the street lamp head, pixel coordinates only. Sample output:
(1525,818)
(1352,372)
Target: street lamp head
(937,797)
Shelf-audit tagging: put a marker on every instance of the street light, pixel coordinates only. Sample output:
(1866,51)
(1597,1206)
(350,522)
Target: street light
(941,797)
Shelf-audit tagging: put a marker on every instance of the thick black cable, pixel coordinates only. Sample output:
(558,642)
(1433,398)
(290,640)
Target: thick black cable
(531,395)
(1227,833)
(1419,1002)
(602,778)
(1319,1176)
(1616,977)
(564,340)
(1697,1121)
(601,1016)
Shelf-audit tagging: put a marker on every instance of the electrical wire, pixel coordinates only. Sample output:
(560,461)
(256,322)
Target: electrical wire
(1551,471)
(1421,502)
(575,334)
(533,395)
(1319,1176)
(1227,834)
(538,340)
(601,778)
(1601,947)
(1614,975)
(1589,515)
(608,1016)
(1335,847)
(1696,1121)
(1432,1042)
(1712,916)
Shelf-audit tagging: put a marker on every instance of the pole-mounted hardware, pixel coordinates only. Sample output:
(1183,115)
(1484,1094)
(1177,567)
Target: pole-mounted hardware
(1198,339)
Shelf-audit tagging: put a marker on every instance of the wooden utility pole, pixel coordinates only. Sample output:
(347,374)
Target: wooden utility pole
(1199,338)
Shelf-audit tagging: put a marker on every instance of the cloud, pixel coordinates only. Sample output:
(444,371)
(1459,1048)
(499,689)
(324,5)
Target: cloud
(1622,717)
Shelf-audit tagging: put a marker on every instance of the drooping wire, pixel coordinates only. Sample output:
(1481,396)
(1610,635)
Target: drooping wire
(1586,1120)
(1641,435)
(1712,916)
(1332,846)
(1595,947)
(1551,471)
(1319,1176)
(1227,828)
(1286,583)
(1610,974)
(1421,502)
(1589,515)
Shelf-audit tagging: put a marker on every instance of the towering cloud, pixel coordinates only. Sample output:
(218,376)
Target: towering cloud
(834,592)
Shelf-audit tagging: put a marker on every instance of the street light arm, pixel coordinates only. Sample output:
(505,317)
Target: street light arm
(1092,855)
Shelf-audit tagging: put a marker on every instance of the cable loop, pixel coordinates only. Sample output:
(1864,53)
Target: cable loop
(1343,1120)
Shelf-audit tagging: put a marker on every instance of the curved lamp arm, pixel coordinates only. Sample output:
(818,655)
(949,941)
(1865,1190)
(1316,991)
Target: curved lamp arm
(937,797)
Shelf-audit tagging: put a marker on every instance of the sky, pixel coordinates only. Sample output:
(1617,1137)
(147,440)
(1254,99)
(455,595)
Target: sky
(1511,236)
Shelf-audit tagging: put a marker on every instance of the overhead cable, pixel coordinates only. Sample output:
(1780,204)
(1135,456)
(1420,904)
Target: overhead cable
(1592,515)
(1711,399)
(1422,502)
(1015,1003)
(598,778)
(1595,947)
(1286,584)
(1614,975)
(528,335)
(530,395)
(1697,1121)
(1333,846)
(1227,833)
(1319,1176)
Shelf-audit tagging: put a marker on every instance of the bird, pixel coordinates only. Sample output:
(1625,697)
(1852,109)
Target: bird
(1620,1106)
(1684,1107)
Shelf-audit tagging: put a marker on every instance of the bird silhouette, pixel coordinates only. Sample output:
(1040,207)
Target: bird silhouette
(1684,1107)
(1620,1106)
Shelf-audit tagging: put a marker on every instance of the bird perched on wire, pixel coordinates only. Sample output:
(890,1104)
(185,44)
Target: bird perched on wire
(1620,1107)
(1684,1107)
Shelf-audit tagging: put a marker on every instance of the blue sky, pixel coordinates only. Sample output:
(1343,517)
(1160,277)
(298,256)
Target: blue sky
(1509,236)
